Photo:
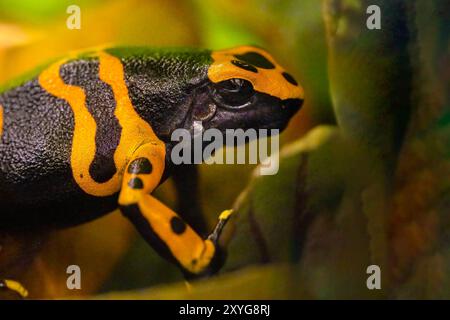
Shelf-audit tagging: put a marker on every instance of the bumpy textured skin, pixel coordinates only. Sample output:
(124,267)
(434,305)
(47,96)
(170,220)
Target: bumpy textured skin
(36,182)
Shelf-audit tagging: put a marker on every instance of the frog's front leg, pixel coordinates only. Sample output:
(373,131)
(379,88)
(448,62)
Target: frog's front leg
(14,286)
(162,228)
(186,182)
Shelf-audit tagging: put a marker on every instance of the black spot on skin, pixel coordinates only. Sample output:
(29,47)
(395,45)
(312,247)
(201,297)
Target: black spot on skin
(256,60)
(136,183)
(244,66)
(178,226)
(140,166)
(290,78)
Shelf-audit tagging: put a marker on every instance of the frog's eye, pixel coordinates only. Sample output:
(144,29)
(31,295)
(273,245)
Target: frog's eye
(233,93)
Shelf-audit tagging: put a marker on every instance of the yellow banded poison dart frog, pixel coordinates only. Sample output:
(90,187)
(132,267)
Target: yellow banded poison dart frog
(92,132)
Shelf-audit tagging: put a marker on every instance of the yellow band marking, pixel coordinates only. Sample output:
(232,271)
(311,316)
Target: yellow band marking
(188,247)
(155,153)
(270,81)
(225,214)
(135,131)
(16,287)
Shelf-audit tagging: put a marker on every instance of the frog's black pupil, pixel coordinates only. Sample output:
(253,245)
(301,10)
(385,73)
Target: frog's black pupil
(236,85)
(246,88)
(235,92)
(233,85)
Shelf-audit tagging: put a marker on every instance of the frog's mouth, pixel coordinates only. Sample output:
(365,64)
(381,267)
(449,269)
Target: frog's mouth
(199,107)
(289,108)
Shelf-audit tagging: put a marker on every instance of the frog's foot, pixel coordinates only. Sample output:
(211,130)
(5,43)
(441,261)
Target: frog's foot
(14,286)
(223,219)
(220,254)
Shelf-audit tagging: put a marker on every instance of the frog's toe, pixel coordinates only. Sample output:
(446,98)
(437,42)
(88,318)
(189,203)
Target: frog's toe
(14,286)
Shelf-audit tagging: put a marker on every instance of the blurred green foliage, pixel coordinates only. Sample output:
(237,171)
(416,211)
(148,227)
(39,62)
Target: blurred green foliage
(33,11)
(218,32)
(375,190)
(372,190)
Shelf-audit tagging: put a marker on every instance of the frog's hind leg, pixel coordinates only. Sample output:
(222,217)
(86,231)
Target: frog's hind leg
(14,286)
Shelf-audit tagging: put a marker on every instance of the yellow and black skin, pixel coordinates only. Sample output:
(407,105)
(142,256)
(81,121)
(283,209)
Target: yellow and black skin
(91,133)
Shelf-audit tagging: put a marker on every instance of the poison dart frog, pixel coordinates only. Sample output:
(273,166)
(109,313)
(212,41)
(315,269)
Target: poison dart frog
(91,133)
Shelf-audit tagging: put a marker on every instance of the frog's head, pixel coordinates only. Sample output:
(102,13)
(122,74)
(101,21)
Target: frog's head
(236,88)
(246,88)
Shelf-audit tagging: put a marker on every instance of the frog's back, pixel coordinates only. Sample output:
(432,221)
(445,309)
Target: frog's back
(36,183)
(61,135)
